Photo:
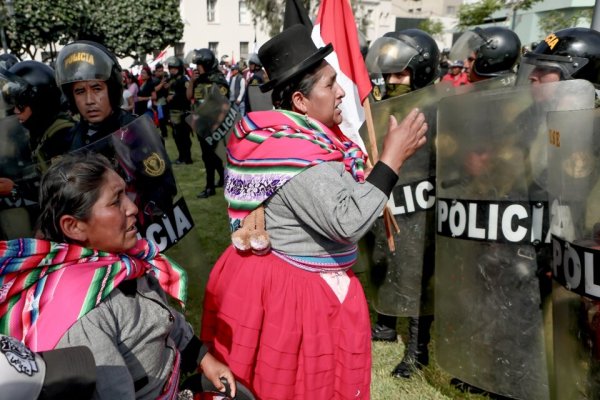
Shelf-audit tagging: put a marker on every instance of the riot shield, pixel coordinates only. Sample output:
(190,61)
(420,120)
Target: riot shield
(574,194)
(214,118)
(20,178)
(401,281)
(492,216)
(141,160)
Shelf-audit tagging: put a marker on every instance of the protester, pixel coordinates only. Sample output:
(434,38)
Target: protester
(161,78)
(237,90)
(455,75)
(288,315)
(99,286)
(146,93)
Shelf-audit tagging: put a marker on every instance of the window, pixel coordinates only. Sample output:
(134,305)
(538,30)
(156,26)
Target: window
(451,10)
(214,47)
(211,10)
(179,46)
(244,50)
(244,14)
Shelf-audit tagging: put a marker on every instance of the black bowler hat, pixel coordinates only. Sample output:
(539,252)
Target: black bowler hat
(288,54)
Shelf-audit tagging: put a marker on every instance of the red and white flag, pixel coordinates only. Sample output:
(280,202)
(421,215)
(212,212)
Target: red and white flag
(159,58)
(335,24)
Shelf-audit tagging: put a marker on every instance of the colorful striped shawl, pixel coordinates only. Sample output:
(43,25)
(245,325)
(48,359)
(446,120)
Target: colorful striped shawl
(268,148)
(45,286)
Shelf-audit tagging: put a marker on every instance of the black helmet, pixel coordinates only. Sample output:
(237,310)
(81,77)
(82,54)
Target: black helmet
(573,51)
(255,60)
(410,48)
(498,53)
(204,57)
(496,49)
(8,60)
(36,88)
(85,61)
(175,62)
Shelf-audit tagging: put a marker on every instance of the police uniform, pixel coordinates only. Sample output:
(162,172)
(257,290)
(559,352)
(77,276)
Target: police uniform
(178,109)
(212,161)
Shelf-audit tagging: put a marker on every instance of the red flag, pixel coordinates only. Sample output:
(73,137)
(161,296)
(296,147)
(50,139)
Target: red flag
(335,24)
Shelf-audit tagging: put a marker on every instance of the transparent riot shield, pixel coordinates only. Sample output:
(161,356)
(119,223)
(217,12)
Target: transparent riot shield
(141,160)
(19,181)
(492,218)
(574,188)
(400,282)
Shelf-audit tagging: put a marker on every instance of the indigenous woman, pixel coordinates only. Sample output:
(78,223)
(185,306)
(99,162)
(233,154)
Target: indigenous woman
(91,282)
(291,320)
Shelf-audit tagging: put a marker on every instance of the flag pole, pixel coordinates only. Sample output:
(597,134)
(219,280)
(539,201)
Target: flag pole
(391,226)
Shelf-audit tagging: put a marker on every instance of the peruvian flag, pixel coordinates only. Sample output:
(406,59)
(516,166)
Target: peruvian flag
(159,58)
(335,24)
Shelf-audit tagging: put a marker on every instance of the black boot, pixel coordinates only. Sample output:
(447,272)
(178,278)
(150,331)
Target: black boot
(416,353)
(206,193)
(385,329)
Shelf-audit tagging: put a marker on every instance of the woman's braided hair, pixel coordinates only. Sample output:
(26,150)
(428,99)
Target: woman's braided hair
(71,186)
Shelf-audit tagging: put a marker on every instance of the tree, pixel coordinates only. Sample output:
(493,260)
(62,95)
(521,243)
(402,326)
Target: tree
(476,13)
(432,27)
(124,29)
(556,20)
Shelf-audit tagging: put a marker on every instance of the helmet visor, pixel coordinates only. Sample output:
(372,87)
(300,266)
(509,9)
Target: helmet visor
(82,62)
(389,55)
(567,65)
(190,58)
(14,90)
(466,44)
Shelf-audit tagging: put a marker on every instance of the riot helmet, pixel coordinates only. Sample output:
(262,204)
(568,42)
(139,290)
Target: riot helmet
(411,49)
(34,87)
(88,61)
(574,52)
(8,60)
(496,49)
(255,60)
(175,62)
(204,57)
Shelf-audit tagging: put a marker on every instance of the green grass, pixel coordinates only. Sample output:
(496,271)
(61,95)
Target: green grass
(199,250)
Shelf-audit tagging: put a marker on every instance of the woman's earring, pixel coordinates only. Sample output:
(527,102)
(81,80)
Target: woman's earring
(306,119)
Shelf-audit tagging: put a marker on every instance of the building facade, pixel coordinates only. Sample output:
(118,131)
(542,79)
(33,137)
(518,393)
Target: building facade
(227,26)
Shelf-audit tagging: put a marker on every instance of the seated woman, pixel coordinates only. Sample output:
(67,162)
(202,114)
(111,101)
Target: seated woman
(292,321)
(91,282)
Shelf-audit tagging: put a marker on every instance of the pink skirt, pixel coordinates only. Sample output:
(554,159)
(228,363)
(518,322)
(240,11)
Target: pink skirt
(284,333)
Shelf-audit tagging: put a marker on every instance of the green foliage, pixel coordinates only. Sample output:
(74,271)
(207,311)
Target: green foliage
(475,14)
(556,20)
(432,27)
(127,29)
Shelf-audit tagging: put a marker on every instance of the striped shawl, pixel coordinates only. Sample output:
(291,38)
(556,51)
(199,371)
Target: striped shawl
(268,148)
(45,286)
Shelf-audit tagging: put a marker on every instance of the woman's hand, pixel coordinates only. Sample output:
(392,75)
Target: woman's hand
(214,370)
(403,139)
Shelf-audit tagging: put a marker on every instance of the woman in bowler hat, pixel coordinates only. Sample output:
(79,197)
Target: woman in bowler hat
(282,307)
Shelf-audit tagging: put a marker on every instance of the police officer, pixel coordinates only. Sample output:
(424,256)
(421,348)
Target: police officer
(490,52)
(406,60)
(572,53)
(37,101)
(206,75)
(179,107)
(90,77)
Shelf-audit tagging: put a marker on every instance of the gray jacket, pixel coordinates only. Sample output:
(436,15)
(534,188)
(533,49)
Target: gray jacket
(133,335)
